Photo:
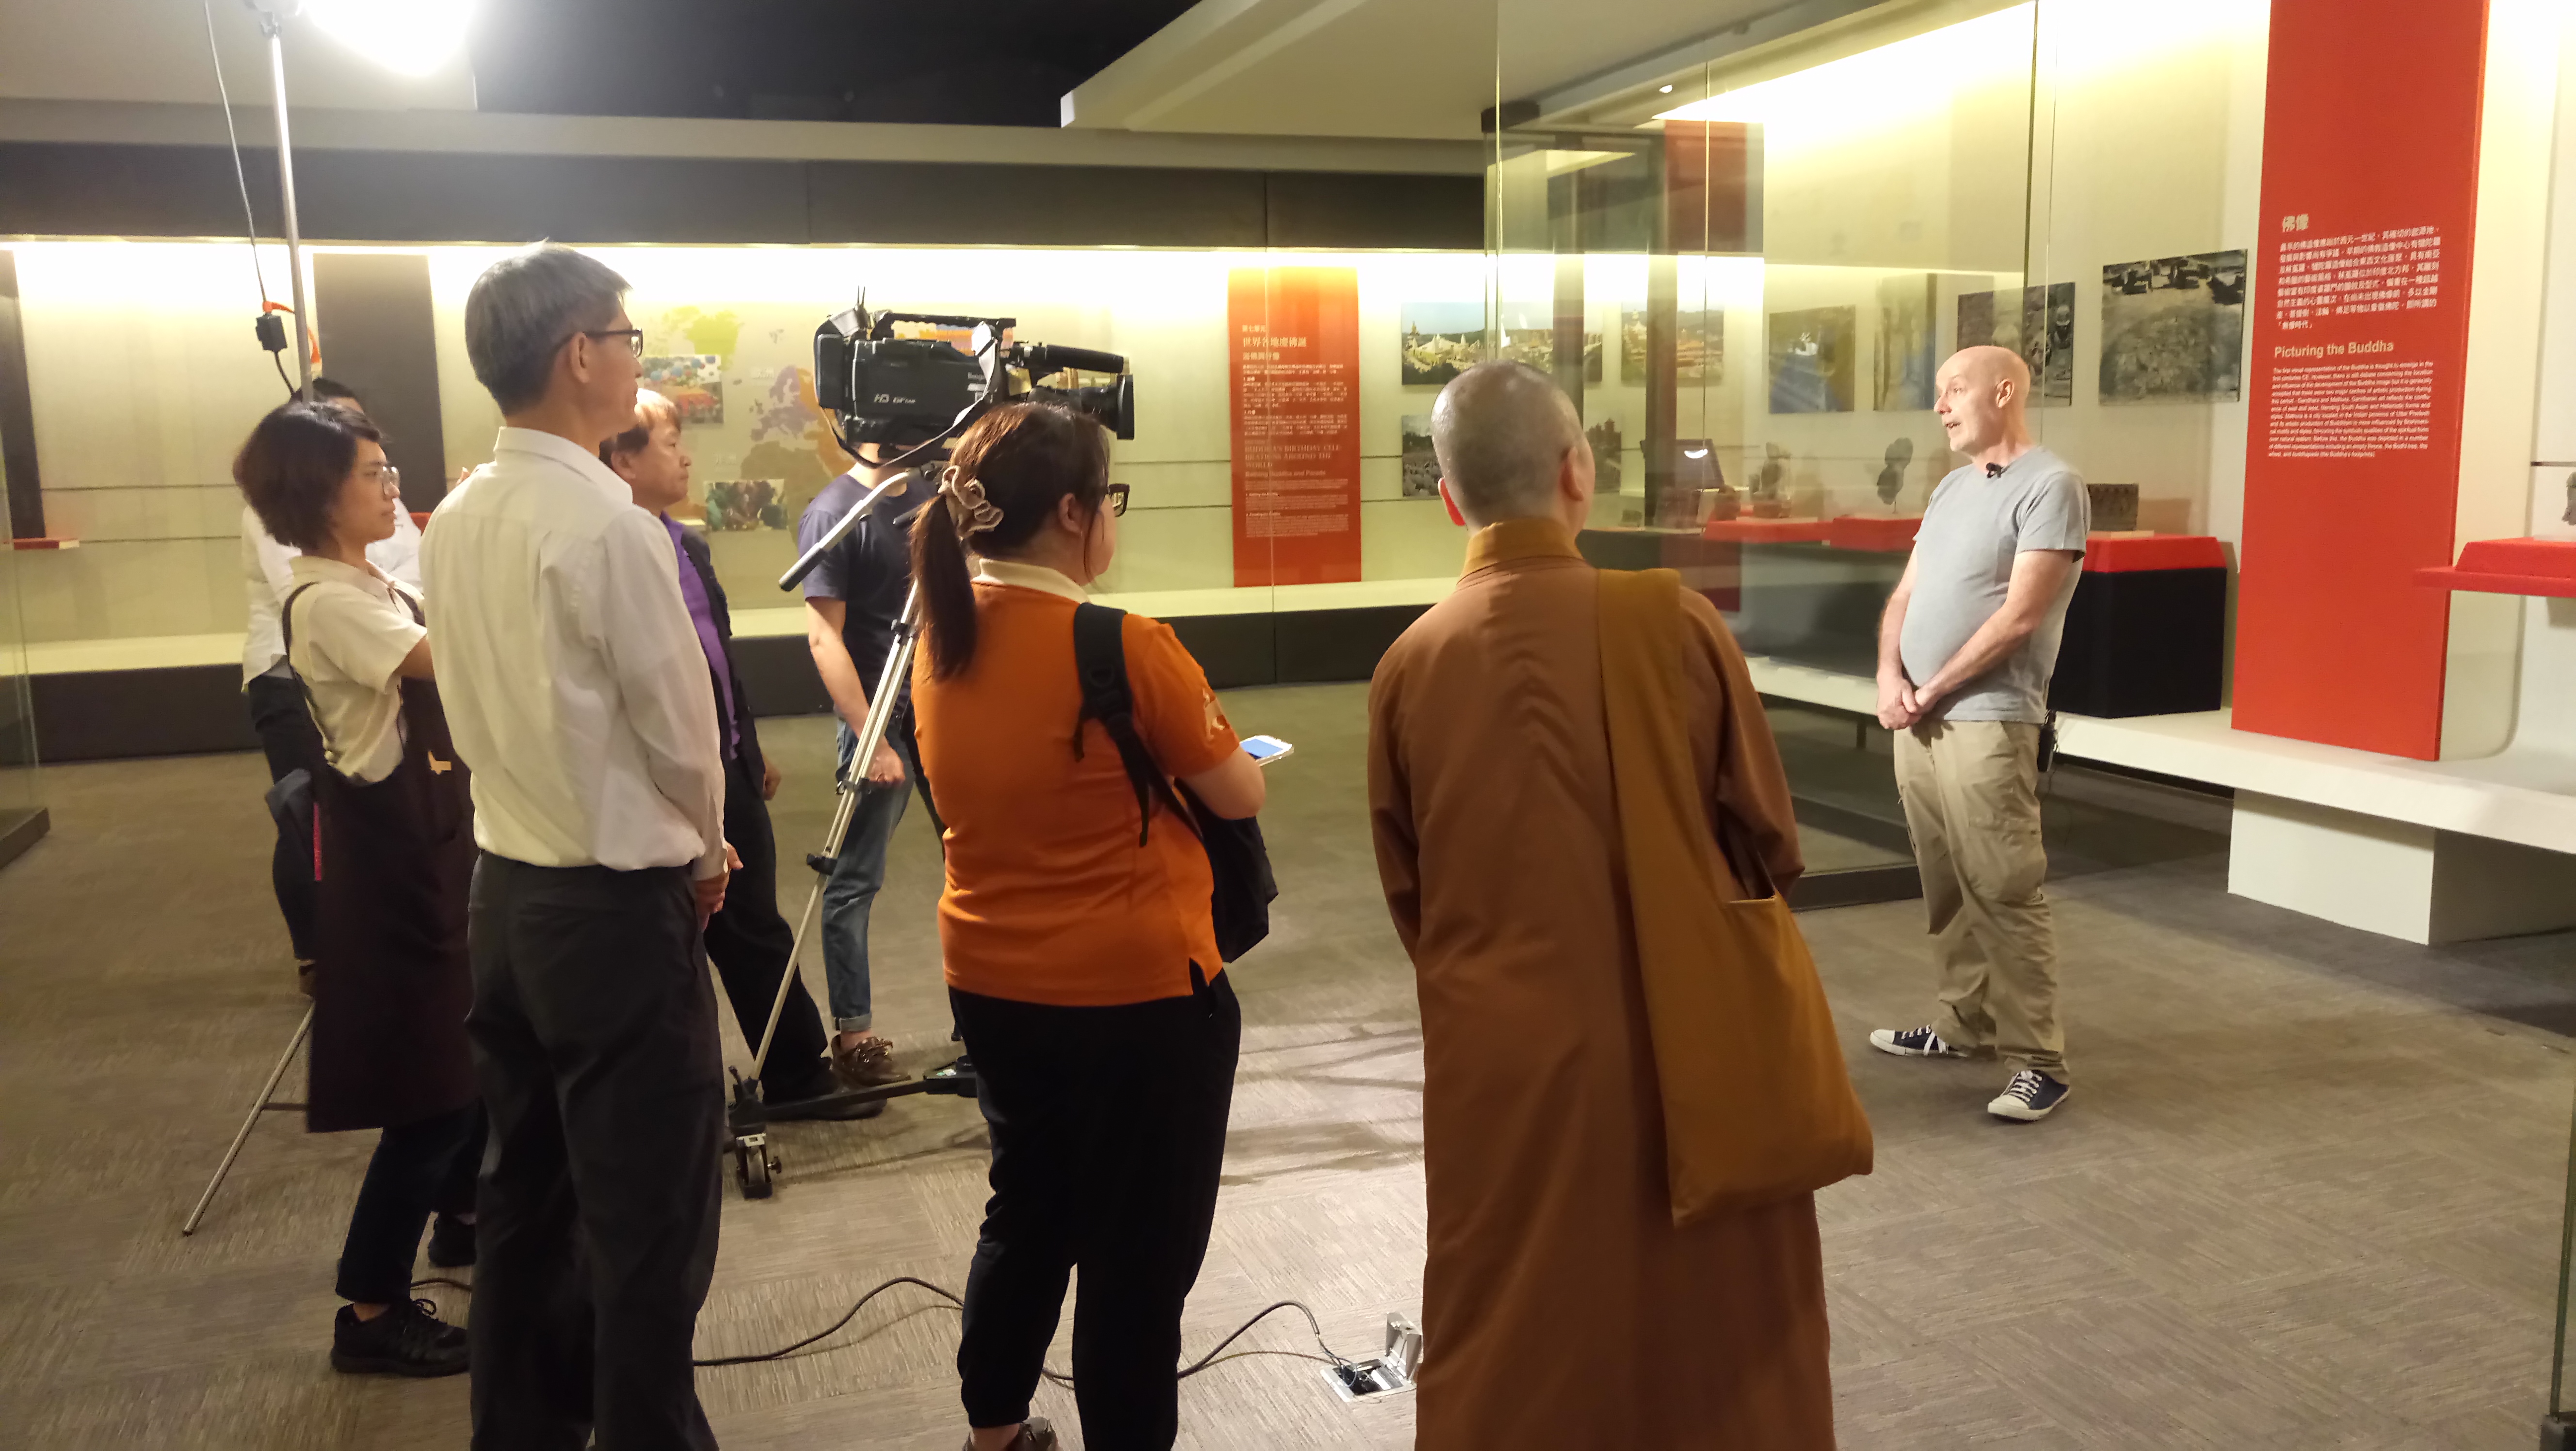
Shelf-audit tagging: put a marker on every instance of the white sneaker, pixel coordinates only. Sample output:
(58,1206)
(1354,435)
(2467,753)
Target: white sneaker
(2030,1097)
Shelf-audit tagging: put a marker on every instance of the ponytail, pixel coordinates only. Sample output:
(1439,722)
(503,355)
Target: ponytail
(1022,458)
(947,591)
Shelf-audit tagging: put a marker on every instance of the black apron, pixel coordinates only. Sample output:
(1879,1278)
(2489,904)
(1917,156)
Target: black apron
(391,983)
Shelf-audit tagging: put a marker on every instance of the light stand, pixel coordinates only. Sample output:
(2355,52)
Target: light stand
(272,24)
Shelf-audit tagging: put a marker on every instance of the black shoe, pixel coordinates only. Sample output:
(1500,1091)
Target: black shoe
(451,1243)
(808,1098)
(405,1340)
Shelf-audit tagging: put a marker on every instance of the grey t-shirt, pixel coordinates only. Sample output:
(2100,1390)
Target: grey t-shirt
(1963,561)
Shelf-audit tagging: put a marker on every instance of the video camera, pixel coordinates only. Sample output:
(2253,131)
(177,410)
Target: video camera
(909,392)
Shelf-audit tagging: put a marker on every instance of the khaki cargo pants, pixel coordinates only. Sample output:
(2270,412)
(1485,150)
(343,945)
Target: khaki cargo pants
(1971,791)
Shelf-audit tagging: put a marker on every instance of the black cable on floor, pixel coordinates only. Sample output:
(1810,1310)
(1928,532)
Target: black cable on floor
(1213,1357)
(1202,1363)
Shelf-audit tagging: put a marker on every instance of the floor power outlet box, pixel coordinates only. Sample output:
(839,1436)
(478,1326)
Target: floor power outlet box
(1389,1374)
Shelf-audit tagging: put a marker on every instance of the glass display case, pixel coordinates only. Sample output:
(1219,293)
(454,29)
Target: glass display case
(22,806)
(1744,263)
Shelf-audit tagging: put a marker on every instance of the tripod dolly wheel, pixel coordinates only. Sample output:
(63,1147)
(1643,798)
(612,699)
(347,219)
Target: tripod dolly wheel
(752,1168)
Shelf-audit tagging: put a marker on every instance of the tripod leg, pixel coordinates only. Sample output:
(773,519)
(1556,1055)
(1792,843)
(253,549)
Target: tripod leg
(787,978)
(258,1105)
(796,951)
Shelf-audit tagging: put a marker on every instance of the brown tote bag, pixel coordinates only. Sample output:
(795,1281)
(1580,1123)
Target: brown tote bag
(1758,1103)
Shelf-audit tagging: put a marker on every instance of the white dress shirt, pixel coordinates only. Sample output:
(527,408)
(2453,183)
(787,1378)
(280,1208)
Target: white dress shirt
(353,630)
(574,685)
(267,576)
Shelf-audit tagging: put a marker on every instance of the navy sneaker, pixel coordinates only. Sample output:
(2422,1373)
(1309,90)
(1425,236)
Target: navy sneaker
(1913,1043)
(2030,1097)
(451,1243)
(405,1340)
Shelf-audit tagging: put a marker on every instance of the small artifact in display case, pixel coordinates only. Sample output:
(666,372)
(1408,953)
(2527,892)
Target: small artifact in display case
(2570,516)
(2115,507)
(1764,500)
(1695,490)
(1891,479)
(1421,479)
(1604,437)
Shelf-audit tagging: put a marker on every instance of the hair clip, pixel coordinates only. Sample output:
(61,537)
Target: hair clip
(967,507)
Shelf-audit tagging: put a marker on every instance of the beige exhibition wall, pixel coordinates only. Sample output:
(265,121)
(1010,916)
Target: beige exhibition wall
(144,379)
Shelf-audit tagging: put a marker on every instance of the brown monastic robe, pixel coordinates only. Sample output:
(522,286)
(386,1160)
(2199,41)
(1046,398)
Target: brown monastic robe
(1561,1308)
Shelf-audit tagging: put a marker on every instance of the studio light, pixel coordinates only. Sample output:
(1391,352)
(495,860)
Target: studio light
(411,37)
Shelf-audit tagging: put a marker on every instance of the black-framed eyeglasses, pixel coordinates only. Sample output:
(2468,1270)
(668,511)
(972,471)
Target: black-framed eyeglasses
(634,336)
(1116,500)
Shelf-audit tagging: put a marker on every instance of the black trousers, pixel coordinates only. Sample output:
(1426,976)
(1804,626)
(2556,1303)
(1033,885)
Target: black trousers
(417,1168)
(288,738)
(749,943)
(594,1033)
(1108,1130)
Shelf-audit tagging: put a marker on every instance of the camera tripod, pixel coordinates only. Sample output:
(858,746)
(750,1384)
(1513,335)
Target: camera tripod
(756,1166)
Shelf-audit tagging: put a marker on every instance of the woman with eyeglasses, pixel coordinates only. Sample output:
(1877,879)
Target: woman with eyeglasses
(1080,951)
(393,832)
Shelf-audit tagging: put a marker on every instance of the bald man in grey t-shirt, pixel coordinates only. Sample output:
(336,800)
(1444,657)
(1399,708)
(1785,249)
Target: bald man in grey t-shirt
(1965,652)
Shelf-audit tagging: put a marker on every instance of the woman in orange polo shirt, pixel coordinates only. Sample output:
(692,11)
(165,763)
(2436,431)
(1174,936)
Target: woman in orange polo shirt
(1082,964)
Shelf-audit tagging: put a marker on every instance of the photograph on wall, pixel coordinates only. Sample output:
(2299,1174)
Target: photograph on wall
(1699,346)
(1441,340)
(1421,466)
(2174,328)
(1905,344)
(1529,336)
(740,504)
(694,382)
(1813,360)
(2042,330)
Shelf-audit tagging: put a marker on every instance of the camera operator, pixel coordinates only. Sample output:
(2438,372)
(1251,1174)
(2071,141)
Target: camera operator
(747,940)
(1082,964)
(391,983)
(853,600)
(277,712)
(580,696)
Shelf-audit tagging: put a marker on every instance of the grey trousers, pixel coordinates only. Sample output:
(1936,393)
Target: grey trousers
(1971,792)
(594,1031)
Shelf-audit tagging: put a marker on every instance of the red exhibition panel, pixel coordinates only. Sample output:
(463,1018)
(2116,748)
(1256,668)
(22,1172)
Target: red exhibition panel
(1294,345)
(2361,313)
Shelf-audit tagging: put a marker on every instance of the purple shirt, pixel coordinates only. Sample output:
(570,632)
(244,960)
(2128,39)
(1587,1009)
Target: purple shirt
(693,593)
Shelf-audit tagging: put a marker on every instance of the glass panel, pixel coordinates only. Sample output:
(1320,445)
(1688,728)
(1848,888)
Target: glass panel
(19,798)
(1745,264)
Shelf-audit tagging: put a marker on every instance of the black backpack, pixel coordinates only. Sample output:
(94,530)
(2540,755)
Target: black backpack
(1237,857)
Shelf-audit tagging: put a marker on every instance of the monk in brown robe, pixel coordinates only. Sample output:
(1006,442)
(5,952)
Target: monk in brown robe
(1561,1307)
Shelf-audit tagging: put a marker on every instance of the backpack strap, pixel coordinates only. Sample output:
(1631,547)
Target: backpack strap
(1100,662)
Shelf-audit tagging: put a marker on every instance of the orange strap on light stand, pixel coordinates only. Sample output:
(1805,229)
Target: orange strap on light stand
(312,338)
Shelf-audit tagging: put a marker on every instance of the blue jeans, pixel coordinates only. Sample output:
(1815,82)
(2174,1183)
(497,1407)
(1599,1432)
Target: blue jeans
(857,874)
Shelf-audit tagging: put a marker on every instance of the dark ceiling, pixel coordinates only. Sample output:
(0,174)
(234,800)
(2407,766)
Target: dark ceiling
(993,62)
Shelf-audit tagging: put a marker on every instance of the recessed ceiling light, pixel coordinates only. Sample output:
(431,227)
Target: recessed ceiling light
(1666,90)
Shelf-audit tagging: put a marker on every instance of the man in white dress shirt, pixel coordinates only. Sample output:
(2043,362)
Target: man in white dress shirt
(577,692)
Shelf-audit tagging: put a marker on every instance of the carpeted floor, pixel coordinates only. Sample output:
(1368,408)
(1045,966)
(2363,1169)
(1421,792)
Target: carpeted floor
(2307,1193)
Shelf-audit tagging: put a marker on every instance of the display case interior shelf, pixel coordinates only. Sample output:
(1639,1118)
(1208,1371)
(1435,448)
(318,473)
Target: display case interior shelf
(2545,567)
(1747,530)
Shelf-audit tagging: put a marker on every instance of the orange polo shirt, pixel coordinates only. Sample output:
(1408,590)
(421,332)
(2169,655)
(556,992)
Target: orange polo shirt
(1049,898)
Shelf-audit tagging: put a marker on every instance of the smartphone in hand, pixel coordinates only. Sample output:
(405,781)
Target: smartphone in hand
(1265,749)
